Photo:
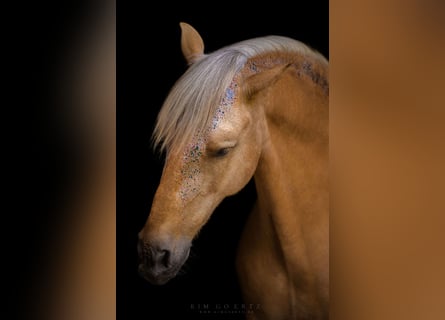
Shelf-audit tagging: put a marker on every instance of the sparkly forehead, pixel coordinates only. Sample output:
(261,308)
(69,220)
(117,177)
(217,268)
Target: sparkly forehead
(191,156)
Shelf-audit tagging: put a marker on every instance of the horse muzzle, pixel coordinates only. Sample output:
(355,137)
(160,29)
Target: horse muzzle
(160,261)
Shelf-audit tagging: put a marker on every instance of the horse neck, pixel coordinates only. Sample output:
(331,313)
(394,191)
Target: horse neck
(292,173)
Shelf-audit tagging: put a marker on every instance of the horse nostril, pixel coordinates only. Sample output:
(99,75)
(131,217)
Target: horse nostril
(154,257)
(165,258)
(160,258)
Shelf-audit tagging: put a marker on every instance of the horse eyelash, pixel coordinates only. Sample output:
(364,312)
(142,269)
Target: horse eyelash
(222,152)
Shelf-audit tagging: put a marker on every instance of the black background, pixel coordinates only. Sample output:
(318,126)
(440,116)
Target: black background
(149,61)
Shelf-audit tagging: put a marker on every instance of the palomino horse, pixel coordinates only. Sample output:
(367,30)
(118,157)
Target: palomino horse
(256,108)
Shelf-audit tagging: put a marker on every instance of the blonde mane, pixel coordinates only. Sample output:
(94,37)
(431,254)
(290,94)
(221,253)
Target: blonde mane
(193,100)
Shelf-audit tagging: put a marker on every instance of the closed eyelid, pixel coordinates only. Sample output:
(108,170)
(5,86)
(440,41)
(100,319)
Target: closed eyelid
(222,144)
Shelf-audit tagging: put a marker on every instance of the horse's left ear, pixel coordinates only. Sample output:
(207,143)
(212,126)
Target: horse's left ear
(191,43)
(253,84)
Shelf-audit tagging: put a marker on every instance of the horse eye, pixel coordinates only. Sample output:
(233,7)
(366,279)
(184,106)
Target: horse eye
(222,152)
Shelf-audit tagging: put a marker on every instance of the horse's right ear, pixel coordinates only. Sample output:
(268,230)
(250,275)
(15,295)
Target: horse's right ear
(191,43)
(257,82)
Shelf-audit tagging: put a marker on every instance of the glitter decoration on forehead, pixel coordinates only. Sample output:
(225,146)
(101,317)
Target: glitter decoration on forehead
(225,104)
(192,155)
(190,168)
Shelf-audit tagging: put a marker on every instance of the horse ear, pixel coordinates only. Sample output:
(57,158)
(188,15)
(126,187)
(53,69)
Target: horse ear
(191,43)
(253,84)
